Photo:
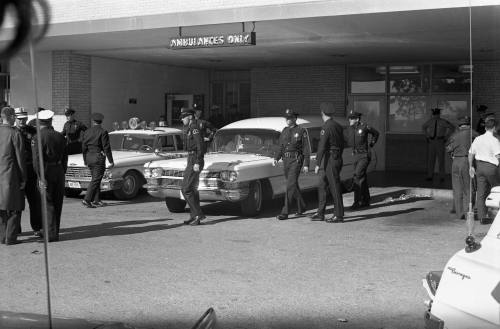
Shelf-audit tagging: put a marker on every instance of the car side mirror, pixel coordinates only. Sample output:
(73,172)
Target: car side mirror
(207,321)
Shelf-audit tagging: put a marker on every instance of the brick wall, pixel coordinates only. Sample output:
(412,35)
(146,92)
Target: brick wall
(71,81)
(299,88)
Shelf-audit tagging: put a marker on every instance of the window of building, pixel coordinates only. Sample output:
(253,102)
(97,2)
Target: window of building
(367,79)
(407,114)
(451,78)
(409,79)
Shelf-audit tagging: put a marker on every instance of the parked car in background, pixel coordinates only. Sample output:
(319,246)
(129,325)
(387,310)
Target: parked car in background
(466,294)
(239,167)
(131,149)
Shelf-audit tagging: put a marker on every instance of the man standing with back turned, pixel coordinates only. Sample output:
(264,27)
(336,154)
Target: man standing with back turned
(96,149)
(329,164)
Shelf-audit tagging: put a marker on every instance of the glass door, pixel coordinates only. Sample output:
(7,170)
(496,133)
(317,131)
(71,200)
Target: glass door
(373,109)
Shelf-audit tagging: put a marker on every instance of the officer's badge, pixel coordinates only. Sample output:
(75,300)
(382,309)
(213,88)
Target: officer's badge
(296,135)
(360,131)
(195,131)
(322,132)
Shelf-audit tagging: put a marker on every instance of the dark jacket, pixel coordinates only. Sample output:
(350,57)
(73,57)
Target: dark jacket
(294,139)
(331,141)
(96,140)
(53,150)
(360,136)
(193,142)
(12,169)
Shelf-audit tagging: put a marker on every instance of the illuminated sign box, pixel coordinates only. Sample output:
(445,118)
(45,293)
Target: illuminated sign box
(214,41)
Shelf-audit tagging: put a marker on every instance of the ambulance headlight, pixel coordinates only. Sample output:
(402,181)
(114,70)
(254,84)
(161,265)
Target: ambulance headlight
(156,172)
(107,174)
(228,175)
(147,173)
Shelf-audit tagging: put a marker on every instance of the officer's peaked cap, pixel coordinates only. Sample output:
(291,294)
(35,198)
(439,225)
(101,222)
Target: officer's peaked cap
(45,115)
(197,107)
(354,115)
(436,110)
(289,114)
(97,117)
(327,108)
(68,111)
(186,111)
(20,112)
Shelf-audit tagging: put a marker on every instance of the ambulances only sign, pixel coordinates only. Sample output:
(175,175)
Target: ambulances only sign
(213,41)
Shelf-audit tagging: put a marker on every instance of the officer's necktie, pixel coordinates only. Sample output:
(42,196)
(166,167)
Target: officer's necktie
(435,129)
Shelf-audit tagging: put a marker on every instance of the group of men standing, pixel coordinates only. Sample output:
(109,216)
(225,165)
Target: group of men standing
(475,159)
(295,152)
(20,173)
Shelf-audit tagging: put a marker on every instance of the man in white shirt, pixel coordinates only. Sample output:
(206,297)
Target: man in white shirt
(485,150)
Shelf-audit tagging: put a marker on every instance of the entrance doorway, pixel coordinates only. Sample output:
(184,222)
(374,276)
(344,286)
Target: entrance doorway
(374,111)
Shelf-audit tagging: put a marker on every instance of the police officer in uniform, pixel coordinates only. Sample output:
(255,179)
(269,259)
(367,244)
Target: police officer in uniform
(329,164)
(31,190)
(481,110)
(294,150)
(206,128)
(55,162)
(96,148)
(458,146)
(436,131)
(194,145)
(72,131)
(360,137)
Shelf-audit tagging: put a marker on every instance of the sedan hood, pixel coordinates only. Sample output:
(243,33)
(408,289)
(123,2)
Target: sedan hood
(120,157)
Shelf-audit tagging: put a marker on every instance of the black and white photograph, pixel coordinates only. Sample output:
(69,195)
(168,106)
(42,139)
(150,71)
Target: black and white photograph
(265,164)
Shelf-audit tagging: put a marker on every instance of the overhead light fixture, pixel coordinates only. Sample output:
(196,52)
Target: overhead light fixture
(465,68)
(398,69)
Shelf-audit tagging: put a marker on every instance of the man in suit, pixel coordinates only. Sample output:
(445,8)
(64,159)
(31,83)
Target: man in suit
(436,130)
(329,164)
(32,193)
(96,149)
(12,178)
(55,163)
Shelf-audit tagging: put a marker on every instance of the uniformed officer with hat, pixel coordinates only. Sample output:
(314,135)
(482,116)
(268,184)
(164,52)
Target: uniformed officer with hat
(484,154)
(55,162)
(206,128)
(458,146)
(436,130)
(31,190)
(72,131)
(96,148)
(329,164)
(294,150)
(360,137)
(194,145)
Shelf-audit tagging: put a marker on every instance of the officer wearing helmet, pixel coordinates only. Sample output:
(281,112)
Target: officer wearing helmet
(360,137)
(55,162)
(294,150)
(72,131)
(194,145)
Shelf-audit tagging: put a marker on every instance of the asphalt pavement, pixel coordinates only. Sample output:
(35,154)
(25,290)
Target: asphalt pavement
(135,262)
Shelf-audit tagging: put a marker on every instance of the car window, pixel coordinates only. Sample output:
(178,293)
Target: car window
(258,141)
(132,142)
(178,142)
(166,143)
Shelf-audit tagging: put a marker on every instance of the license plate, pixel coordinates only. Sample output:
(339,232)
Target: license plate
(74,184)
(182,195)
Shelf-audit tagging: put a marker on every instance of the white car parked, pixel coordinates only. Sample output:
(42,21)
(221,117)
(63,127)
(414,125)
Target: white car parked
(466,294)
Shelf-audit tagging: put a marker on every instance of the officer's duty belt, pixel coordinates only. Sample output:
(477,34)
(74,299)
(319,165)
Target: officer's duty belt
(359,151)
(291,154)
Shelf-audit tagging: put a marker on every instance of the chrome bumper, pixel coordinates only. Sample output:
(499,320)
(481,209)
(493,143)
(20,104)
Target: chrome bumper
(106,184)
(233,192)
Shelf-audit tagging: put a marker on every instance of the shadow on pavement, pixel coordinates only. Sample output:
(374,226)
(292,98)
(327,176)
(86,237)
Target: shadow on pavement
(382,214)
(114,228)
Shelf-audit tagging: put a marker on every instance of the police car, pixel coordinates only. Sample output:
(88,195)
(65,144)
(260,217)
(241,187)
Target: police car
(131,148)
(466,294)
(240,168)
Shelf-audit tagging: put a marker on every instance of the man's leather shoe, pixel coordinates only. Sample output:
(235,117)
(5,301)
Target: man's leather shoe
(317,217)
(38,234)
(188,221)
(197,220)
(98,204)
(299,214)
(87,204)
(355,206)
(54,239)
(335,219)
(282,216)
